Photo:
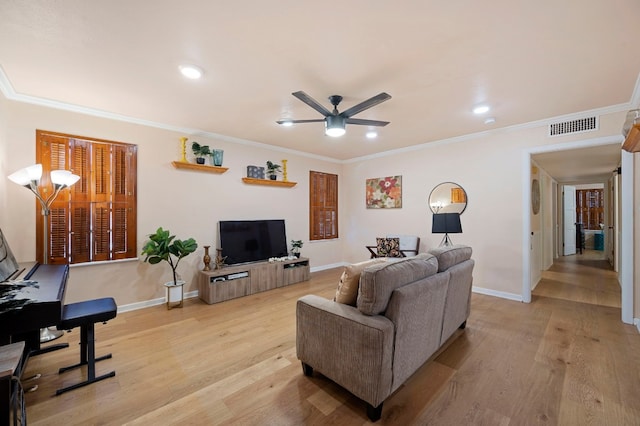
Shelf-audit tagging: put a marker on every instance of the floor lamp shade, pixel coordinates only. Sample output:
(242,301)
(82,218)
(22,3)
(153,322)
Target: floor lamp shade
(446,223)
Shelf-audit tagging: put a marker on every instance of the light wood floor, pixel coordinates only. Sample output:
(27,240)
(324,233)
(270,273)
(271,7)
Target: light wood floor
(564,359)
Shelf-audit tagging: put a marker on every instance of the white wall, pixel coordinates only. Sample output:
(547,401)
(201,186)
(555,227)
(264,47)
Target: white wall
(188,203)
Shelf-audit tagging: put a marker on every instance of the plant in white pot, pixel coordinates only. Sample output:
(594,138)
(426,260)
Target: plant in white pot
(164,246)
(296,245)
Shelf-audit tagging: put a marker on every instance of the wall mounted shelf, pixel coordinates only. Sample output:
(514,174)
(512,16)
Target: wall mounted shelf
(199,167)
(269,182)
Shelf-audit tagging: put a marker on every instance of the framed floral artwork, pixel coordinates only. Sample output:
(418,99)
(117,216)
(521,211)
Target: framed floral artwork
(384,192)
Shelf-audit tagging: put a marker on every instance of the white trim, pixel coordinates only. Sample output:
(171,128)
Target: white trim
(626,244)
(153,302)
(636,321)
(496,293)
(330,266)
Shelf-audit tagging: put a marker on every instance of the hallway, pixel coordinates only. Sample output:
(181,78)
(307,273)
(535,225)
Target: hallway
(584,278)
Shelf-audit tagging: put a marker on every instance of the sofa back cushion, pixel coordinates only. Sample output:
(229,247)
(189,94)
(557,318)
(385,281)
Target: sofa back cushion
(347,291)
(450,255)
(377,282)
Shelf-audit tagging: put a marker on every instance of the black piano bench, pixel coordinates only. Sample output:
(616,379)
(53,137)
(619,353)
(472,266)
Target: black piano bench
(85,315)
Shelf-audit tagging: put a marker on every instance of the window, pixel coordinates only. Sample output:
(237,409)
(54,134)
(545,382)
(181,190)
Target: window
(323,206)
(95,219)
(590,208)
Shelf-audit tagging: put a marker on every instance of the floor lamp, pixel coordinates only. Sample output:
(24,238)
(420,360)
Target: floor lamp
(29,177)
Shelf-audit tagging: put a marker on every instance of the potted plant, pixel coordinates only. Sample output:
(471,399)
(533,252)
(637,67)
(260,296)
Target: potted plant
(272,170)
(164,246)
(200,151)
(296,245)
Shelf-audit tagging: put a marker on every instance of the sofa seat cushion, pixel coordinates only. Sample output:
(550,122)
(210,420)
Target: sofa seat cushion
(450,255)
(347,291)
(377,282)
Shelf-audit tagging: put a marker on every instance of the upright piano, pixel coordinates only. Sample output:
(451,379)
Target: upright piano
(32,300)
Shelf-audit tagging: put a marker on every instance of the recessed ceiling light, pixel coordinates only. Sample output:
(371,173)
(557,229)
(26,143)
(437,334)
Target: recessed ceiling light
(372,135)
(191,71)
(490,120)
(481,109)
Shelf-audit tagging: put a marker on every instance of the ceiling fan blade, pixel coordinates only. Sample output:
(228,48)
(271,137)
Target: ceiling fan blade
(365,105)
(315,120)
(311,102)
(366,122)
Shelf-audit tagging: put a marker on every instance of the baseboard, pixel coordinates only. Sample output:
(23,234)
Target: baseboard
(495,293)
(636,321)
(152,302)
(331,266)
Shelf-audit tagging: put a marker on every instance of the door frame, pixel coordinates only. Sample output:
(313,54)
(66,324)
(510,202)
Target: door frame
(626,245)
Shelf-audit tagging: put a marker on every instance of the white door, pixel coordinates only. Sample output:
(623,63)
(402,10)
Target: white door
(569,221)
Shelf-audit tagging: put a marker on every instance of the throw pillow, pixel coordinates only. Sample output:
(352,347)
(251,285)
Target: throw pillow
(389,247)
(347,291)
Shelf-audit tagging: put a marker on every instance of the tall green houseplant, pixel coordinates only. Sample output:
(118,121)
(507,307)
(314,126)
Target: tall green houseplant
(164,246)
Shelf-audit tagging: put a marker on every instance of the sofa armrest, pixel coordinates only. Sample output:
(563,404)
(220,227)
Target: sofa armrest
(352,349)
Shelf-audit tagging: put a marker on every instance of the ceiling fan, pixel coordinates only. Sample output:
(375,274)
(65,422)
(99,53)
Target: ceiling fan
(335,121)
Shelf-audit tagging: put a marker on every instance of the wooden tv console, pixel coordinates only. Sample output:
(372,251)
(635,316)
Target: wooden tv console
(242,280)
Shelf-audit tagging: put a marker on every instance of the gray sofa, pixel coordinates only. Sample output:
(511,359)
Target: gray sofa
(406,310)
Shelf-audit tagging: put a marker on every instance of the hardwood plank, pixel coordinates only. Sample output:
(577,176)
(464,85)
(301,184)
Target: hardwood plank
(565,358)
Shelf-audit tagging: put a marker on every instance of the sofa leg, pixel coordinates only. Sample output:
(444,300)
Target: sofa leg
(307,370)
(463,325)
(374,413)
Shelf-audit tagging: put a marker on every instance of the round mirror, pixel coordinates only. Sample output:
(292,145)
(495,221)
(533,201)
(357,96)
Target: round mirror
(448,197)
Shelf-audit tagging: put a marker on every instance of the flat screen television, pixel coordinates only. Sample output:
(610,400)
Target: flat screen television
(245,241)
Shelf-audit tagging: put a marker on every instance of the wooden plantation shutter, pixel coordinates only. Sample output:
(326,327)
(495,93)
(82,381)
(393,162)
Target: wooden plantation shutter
(95,220)
(323,206)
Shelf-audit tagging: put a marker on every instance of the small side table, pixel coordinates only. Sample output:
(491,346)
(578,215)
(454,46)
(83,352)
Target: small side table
(10,358)
(175,294)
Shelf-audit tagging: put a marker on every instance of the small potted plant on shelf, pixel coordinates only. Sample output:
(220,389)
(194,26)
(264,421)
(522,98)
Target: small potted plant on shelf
(200,151)
(164,246)
(296,245)
(272,170)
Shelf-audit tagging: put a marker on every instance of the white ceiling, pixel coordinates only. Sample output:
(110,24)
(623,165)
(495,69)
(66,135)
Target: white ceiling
(437,59)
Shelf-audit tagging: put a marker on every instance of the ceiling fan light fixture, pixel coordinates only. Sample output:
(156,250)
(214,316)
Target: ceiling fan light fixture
(335,126)
(371,134)
(481,109)
(286,123)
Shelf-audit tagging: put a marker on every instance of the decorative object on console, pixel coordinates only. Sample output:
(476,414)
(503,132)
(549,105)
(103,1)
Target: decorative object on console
(384,193)
(164,246)
(206,259)
(219,261)
(29,177)
(272,170)
(296,245)
(183,146)
(200,151)
(284,170)
(216,156)
(446,223)
(631,131)
(448,197)
(255,172)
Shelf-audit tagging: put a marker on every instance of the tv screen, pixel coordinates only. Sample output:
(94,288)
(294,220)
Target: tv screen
(245,241)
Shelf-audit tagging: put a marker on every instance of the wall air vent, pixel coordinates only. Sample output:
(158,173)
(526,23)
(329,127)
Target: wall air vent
(574,126)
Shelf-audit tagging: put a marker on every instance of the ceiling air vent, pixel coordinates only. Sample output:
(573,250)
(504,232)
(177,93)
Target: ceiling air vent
(574,126)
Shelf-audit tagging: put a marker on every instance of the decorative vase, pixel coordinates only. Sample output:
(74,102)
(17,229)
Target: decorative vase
(200,160)
(217,157)
(219,259)
(206,259)
(273,177)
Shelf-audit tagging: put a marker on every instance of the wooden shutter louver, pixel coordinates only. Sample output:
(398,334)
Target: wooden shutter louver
(96,218)
(323,209)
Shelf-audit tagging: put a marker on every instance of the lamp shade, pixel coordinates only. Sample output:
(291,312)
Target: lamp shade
(63,177)
(446,223)
(27,175)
